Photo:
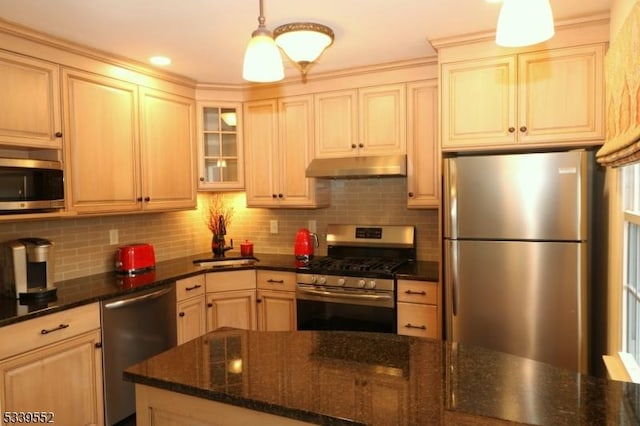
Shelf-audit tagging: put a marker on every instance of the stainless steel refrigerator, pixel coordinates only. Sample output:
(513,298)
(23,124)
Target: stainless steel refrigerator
(516,249)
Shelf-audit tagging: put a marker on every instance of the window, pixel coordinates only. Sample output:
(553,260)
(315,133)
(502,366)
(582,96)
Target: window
(631,276)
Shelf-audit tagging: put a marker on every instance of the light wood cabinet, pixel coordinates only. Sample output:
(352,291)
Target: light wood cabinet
(423,151)
(276,300)
(551,97)
(419,309)
(190,308)
(30,106)
(168,151)
(366,121)
(121,141)
(220,146)
(53,364)
(231,299)
(372,399)
(279,146)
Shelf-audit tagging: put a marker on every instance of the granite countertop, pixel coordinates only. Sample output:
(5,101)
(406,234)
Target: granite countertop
(351,377)
(94,288)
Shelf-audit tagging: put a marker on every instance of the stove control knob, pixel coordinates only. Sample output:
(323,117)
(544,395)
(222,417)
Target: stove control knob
(361,283)
(370,284)
(313,279)
(341,281)
(322,280)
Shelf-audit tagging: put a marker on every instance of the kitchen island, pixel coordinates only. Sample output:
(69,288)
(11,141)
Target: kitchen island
(366,378)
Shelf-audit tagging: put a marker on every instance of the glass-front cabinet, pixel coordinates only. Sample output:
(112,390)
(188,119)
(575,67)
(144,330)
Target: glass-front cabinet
(220,162)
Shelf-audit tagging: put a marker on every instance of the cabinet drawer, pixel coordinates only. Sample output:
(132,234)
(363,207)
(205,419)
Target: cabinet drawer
(418,292)
(48,329)
(418,320)
(276,280)
(190,287)
(231,280)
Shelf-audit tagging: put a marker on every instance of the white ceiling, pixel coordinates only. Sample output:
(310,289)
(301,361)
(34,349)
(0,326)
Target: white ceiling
(206,39)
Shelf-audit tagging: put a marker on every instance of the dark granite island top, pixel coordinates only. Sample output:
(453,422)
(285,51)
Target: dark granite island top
(368,378)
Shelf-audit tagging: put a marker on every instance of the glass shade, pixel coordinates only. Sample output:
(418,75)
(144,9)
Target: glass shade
(262,60)
(524,23)
(303,42)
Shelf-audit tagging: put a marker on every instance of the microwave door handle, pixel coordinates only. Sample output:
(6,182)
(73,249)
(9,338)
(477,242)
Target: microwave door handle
(343,295)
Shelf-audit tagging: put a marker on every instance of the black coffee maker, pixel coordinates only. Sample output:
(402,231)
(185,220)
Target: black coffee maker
(27,268)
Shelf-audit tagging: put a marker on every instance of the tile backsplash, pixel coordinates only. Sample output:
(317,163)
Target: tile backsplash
(82,244)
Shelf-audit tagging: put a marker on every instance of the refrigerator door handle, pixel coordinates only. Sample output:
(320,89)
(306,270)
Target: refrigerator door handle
(450,199)
(453,274)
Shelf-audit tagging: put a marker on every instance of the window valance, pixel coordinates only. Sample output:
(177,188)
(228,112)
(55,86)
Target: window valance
(622,106)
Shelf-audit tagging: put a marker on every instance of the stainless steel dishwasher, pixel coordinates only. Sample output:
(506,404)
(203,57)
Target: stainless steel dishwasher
(134,327)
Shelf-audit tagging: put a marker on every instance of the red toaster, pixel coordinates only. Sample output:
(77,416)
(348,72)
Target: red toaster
(135,258)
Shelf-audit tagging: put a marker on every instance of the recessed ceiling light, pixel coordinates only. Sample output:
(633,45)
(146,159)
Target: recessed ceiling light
(162,61)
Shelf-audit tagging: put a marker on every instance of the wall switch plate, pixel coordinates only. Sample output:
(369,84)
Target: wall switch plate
(313,226)
(273,226)
(113,236)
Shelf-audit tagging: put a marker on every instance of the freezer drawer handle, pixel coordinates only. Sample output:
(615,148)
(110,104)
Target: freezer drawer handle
(421,293)
(51,330)
(421,327)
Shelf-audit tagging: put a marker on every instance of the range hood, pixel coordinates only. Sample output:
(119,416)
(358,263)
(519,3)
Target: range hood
(357,167)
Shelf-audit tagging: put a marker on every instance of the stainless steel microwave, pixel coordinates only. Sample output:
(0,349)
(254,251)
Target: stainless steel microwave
(28,185)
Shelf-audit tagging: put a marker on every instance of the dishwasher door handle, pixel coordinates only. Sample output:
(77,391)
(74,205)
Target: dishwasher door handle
(122,303)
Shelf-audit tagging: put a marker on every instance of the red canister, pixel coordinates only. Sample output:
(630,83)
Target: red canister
(246,248)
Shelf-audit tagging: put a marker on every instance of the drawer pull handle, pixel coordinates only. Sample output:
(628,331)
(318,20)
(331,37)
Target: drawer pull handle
(195,287)
(421,327)
(272,281)
(51,330)
(421,293)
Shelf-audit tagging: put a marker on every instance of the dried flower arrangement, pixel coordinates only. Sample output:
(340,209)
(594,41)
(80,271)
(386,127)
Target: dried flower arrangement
(215,209)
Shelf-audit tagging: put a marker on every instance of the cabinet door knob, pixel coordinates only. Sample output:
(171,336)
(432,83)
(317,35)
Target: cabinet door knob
(181,314)
(511,129)
(274,196)
(58,134)
(147,199)
(280,196)
(258,300)
(523,129)
(354,146)
(410,194)
(201,179)
(360,145)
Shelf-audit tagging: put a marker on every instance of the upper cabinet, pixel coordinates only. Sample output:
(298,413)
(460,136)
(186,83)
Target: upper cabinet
(30,107)
(128,148)
(220,149)
(366,121)
(533,99)
(279,146)
(423,153)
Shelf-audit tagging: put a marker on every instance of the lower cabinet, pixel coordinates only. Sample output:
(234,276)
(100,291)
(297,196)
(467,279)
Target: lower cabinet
(51,369)
(191,321)
(231,299)
(363,397)
(419,311)
(276,300)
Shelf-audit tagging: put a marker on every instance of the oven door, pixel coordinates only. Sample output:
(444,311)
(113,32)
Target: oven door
(320,308)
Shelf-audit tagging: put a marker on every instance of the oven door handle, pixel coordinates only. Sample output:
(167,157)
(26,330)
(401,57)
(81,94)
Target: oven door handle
(344,295)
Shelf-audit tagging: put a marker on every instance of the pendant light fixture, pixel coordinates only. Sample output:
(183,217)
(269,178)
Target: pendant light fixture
(303,42)
(262,60)
(524,23)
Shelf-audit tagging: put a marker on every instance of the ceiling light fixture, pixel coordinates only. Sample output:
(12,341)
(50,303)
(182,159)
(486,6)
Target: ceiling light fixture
(524,23)
(262,60)
(303,42)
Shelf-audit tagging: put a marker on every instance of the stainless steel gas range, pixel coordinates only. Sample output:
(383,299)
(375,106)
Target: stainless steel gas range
(354,286)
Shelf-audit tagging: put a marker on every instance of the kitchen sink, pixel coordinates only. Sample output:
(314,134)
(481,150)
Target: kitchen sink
(215,262)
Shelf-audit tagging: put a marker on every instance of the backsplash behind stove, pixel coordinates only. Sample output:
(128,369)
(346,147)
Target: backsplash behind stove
(82,244)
